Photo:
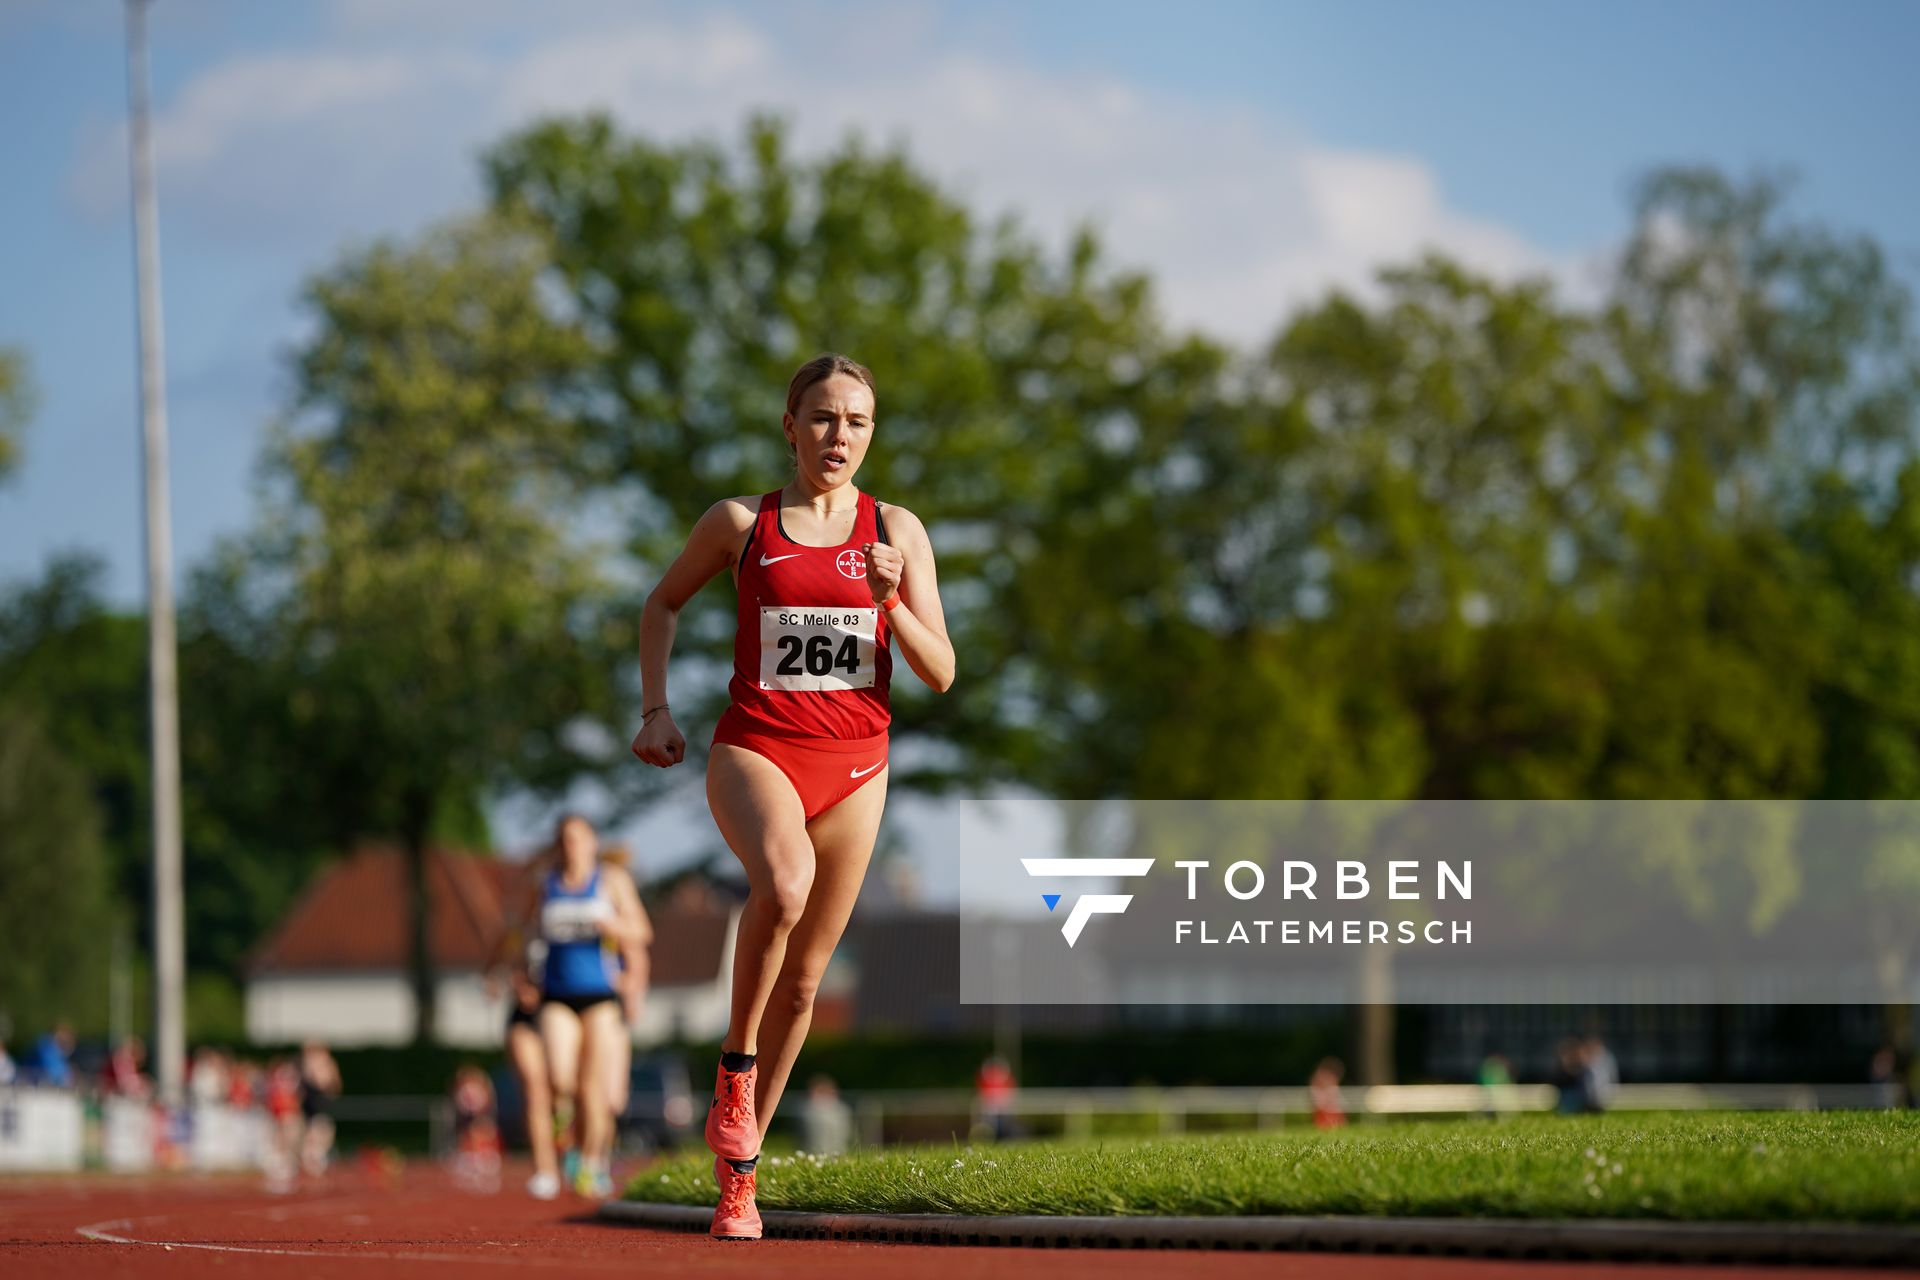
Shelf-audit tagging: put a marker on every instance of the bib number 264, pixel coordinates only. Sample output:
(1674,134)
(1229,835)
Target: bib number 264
(804,648)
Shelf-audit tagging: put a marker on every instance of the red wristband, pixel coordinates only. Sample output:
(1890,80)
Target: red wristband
(891,603)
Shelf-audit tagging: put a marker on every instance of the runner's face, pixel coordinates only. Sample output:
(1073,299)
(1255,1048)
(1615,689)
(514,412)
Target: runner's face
(577,842)
(830,430)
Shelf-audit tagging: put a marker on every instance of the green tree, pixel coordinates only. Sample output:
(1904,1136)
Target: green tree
(79,668)
(56,911)
(1867,696)
(257,821)
(1766,362)
(16,406)
(436,628)
(262,809)
(1776,364)
(1475,541)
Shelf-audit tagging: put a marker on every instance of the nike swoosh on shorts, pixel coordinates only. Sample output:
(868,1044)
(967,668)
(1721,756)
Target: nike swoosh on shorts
(861,773)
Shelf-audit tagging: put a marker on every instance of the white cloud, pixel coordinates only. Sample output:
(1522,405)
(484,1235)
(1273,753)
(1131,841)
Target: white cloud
(1238,216)
(299,148)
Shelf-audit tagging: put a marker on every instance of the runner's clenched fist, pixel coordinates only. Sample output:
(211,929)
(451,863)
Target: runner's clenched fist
(885,564)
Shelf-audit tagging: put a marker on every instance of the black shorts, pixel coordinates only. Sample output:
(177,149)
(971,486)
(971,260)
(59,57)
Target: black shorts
(519,1017)
(579,1004)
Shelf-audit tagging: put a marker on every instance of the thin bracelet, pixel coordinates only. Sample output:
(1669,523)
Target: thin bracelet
(648,715)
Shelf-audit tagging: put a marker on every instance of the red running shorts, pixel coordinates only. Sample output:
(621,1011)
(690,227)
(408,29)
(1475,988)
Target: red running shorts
(823,771)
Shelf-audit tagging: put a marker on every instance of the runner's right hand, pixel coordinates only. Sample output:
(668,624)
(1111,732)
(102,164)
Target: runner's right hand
(660,742)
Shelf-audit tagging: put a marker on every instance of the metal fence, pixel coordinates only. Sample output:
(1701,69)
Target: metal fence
(883,1116)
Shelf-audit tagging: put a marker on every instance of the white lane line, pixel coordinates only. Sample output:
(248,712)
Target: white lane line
(101,1232)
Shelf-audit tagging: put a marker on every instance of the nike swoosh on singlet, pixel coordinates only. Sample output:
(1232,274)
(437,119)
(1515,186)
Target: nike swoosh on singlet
(861,773)
(764,562)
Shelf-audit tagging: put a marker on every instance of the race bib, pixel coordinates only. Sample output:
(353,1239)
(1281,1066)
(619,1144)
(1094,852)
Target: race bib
(574,919)
(816,648)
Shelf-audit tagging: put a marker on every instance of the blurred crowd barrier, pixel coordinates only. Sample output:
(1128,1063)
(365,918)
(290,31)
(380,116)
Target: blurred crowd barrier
(53,1130)
(41,1129)
(59,1129)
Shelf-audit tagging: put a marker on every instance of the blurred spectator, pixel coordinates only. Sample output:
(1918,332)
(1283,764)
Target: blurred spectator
(207,1077)
(282,1098)
(1496,1078)
(476,1132)
(993,1088)
(1323,1090)
(8,1072)
(826,1121)
(319,1085)
(123,1075)
(473,1106)
(1883,1071)
(245,1087)
(52,1060)
(1570,1077)
(1599,1074)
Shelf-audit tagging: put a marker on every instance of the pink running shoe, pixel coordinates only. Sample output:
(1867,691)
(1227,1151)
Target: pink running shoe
(731,1129)
(737,1218)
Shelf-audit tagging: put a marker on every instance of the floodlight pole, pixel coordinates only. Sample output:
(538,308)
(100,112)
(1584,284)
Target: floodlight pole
(169,933)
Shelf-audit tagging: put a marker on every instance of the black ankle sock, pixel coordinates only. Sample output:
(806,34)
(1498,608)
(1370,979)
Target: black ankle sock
(737,1061)
(744,1166)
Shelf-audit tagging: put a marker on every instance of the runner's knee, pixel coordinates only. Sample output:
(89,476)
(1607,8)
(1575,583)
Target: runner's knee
(799,990)
(787,891)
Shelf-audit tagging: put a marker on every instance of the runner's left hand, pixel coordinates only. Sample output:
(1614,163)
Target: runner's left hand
(885,564)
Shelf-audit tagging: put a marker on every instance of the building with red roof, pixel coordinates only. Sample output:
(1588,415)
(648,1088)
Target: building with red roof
(336,966)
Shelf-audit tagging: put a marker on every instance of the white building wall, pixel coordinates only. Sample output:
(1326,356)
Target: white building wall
(466,1015)
(696,1012)
(351,1009)
(374,1008)
(683,1013)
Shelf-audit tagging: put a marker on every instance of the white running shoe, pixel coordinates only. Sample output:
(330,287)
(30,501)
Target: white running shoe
(543,1186)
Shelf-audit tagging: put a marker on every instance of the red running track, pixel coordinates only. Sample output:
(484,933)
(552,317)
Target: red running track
(418,1223)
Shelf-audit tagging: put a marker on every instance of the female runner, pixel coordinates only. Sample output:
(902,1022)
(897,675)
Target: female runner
(522,955)
(594,927)
(826,576)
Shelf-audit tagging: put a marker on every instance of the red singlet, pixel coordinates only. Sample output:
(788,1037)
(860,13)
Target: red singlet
(811,660)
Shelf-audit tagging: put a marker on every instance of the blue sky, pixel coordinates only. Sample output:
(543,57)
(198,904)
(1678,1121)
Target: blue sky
(1251,154)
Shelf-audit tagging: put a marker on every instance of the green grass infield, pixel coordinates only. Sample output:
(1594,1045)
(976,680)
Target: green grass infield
(1827,1167)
